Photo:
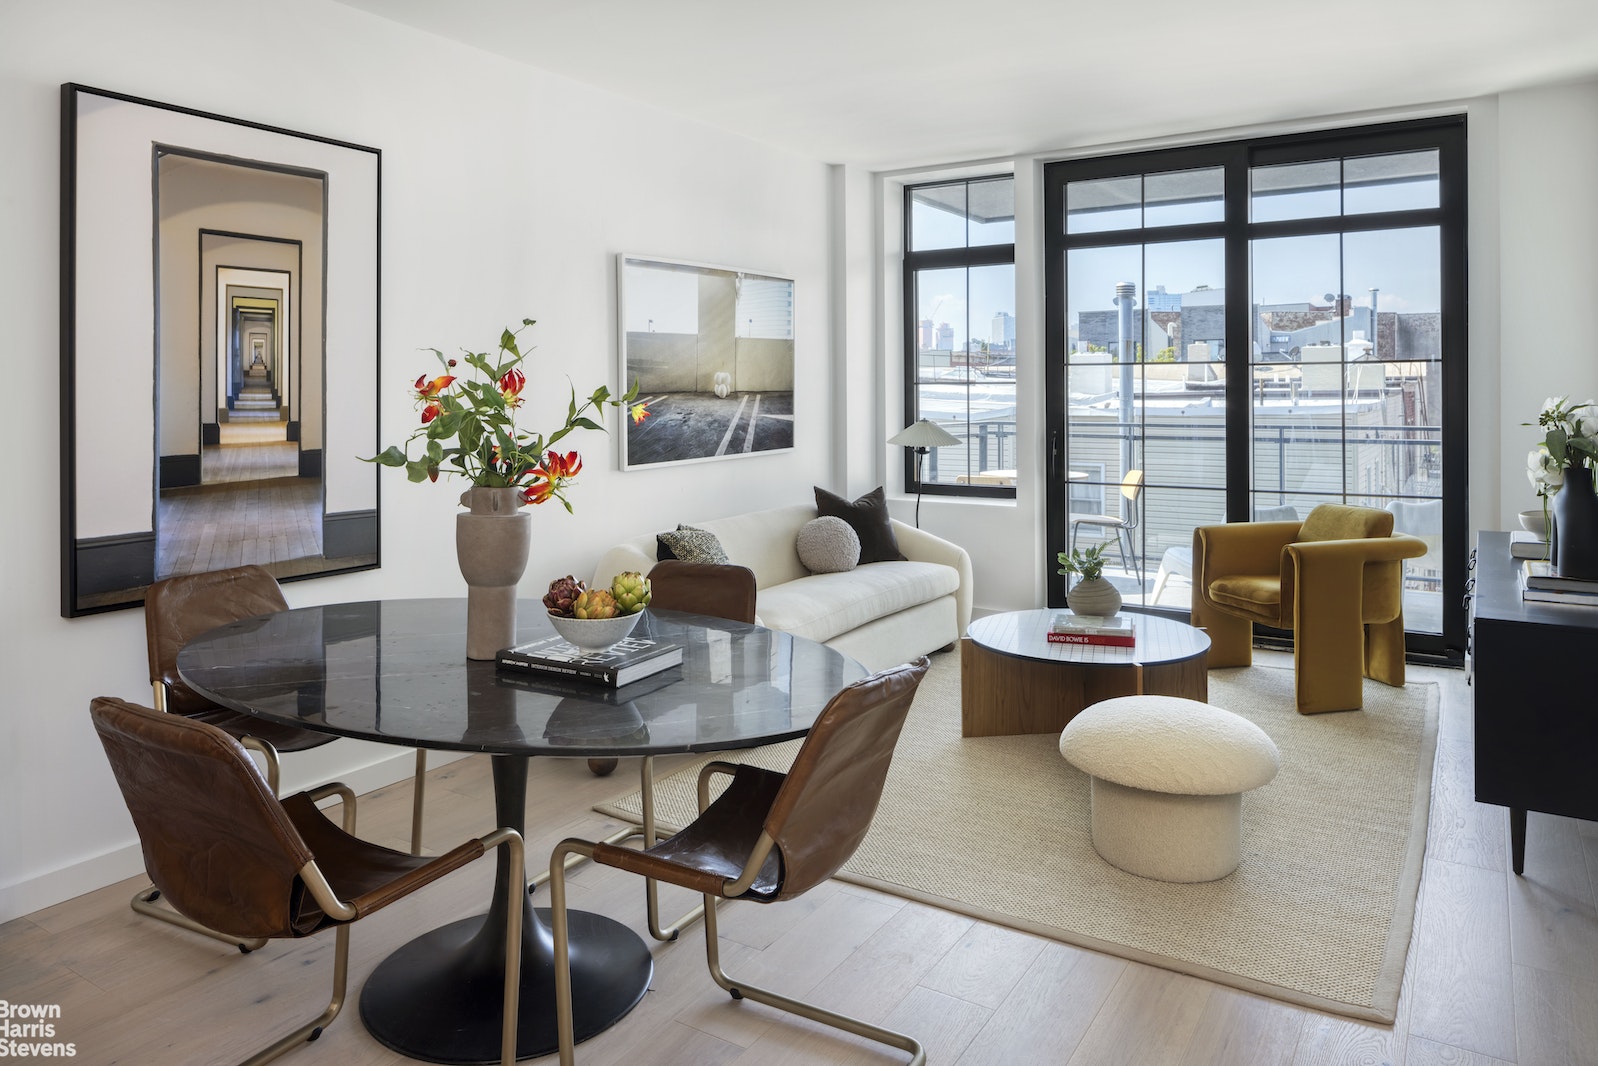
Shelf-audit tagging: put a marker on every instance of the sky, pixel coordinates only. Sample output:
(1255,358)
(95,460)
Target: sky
(1403,265)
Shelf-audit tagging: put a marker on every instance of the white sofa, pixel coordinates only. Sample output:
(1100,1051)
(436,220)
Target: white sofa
(880,614)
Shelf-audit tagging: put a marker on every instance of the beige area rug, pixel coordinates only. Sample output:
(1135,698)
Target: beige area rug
(1318,913)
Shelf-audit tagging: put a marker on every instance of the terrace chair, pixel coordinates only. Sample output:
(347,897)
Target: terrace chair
(1335,579)
(769,837)
(1121,525)
(178,609)
(230,856)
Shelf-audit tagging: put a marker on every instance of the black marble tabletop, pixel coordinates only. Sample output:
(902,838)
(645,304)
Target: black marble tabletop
(395,671)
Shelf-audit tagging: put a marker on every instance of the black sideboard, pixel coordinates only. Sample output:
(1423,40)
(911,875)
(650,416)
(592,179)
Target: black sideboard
(1534,668)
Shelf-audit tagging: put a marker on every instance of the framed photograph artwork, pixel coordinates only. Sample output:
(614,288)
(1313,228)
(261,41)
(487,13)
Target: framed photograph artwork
(712,350)
(219,298)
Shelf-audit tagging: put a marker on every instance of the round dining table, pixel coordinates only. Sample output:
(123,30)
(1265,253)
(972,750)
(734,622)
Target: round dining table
(396,672)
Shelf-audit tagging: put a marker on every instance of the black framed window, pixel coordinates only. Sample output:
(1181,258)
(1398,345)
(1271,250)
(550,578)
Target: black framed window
(959,330)
(1257,327)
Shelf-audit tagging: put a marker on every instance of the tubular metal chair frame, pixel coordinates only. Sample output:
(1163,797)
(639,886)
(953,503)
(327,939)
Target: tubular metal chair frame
(1131,492)
(572,851)
(145,900)
(342,913)
(646,828)
(837,741)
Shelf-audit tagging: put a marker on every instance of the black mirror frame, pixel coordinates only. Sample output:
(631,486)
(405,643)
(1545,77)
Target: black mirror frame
(110,571)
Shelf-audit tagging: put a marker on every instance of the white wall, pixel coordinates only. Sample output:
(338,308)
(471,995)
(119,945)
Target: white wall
(1548,266)
(506,192)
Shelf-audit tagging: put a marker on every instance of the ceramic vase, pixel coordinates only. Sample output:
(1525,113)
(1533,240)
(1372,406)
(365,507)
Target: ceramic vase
(1094,596)
(492,539)
(1575,515)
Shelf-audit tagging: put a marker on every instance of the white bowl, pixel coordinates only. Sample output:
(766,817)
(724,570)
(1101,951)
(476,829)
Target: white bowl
(1534,522)
(594,634)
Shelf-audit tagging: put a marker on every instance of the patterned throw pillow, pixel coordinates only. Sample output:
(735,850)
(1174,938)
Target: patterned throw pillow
(869,518)
(691,545)
(828,545)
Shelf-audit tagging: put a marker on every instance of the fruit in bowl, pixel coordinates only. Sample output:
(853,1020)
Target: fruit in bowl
(594,619)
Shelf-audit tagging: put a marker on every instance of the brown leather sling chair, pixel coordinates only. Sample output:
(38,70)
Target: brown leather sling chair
(711,590)
(228,854)
(768,837)
(178,609)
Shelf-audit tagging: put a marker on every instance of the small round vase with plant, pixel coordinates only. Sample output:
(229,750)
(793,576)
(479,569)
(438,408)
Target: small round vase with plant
(1561,469)
(1092,594)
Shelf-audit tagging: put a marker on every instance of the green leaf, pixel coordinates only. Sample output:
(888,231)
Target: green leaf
(417,470)
(445,425)
(507,342)
(435,451)
(1555,442)
(390,456)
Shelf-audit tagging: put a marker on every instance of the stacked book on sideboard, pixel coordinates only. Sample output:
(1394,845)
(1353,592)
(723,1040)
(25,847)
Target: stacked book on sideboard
(1116,631)
(1524,545)
(1540,583)
(629,659)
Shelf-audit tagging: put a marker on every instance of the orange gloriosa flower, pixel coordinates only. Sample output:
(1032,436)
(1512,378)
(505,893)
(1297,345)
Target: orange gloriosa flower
(551,475)
(511,385)
(639,412)
(426,390)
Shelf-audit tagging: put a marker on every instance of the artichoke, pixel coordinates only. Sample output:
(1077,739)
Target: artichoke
(563,591)
(631,590)
(595,603)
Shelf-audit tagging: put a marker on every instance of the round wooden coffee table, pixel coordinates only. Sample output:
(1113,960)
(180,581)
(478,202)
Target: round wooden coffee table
(1012,680)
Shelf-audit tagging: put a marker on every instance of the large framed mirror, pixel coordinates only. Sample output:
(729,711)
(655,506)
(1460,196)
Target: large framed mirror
(219,342)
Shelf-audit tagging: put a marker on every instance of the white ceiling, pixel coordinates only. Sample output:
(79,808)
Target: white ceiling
(892,83)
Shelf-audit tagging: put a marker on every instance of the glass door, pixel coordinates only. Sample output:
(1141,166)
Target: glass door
(1243,331)
(1143,349)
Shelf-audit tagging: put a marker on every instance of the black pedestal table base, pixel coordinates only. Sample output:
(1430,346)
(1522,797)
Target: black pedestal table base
(438,997)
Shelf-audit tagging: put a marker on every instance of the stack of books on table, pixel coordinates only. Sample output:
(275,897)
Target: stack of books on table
(628,660)
(1540,583)
(1116,631)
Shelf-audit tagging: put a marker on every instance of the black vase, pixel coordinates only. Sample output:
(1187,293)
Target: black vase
(1575,514)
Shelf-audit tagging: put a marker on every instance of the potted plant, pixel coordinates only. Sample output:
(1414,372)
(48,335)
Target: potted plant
(1561,469)
(1093,593)
(467,426)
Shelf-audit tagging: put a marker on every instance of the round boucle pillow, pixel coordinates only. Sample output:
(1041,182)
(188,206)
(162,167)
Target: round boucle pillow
(828,545)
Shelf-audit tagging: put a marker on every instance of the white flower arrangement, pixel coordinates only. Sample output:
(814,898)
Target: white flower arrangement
(1570,438)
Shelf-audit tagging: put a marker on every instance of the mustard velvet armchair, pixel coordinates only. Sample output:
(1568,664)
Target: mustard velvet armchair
(1336,579)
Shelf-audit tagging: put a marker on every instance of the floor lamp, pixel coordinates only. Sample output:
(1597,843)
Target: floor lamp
(923,436)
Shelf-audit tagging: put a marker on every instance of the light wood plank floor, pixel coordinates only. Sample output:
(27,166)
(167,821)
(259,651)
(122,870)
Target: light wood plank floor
(1502,969)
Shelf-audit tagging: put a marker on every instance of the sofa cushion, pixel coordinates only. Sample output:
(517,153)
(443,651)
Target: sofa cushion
(691,545)
(822,606)
(828,545)
(869,517)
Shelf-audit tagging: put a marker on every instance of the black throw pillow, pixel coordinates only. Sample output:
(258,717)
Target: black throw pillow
(868,517)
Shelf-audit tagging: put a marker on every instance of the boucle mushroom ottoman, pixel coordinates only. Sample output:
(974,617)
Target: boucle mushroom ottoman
(1168,777)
